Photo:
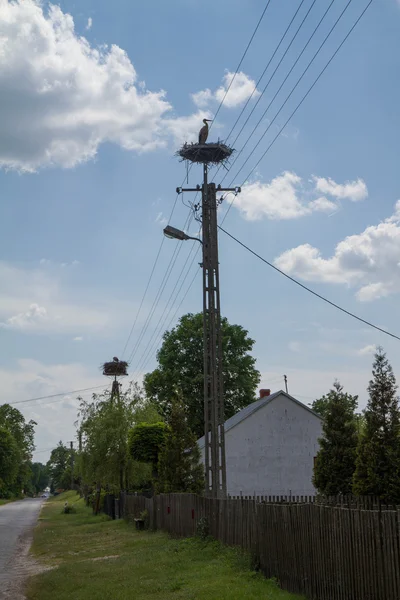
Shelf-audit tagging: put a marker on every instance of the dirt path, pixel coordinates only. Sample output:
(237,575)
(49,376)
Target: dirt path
(17,520)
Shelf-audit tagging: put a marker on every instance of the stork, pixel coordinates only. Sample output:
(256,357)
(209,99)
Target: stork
(203,133)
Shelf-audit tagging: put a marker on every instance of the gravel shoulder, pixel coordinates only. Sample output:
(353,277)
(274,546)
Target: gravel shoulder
(17,521)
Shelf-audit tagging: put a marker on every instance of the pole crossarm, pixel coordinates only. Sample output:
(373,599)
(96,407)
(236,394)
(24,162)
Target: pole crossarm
(218,188)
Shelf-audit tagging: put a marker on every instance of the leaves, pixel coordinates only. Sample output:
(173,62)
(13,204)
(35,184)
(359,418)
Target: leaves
(179,468)
(104,425)
(21,433)
(378,456)
(180,370)
(146,441)
(335,462)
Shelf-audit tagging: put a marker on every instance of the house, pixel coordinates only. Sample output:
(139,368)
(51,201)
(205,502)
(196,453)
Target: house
(270,447)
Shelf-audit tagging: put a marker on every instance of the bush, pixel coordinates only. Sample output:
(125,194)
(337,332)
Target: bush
(68,509)
(145,517)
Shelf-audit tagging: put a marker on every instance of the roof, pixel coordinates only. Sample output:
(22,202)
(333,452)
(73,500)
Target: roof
(253,407)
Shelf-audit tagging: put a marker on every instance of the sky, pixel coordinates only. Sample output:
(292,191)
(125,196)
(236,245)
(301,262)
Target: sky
(97,97)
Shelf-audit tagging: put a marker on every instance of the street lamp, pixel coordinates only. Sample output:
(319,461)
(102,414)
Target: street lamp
(176,234)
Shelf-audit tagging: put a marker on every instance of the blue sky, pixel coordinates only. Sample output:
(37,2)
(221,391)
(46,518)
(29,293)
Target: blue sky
(95,99)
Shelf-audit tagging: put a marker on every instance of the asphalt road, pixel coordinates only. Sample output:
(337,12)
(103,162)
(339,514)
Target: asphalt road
(17,520)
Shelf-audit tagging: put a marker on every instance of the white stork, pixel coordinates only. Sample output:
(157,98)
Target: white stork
(203,133)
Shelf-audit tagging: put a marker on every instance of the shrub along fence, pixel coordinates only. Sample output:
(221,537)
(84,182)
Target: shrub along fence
(333,550)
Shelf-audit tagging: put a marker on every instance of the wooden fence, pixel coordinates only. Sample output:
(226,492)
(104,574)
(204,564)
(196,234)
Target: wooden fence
(326,551)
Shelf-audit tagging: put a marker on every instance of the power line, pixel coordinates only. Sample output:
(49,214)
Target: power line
(164,315)
(146,356)
(160,291)
(56,395)
(241,60)
(173,208)
(270,79)
(148,281)
(299,104)
(307,288)
(287,77)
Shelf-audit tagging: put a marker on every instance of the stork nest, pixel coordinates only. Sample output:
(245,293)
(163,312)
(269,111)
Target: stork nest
(115,368)
(205,153)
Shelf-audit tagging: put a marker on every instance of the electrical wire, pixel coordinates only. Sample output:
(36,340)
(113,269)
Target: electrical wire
(56,395)
(241,60)
(148,281)
(161,289)
(173,208)
(158,332)
(298,105)
(347,312)
(286,78)
(272,76)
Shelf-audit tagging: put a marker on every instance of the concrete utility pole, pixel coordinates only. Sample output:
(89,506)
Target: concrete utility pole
(72,464)
(214,418)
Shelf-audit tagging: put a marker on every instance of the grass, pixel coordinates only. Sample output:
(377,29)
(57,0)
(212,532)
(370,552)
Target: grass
(131,564)
(7,500)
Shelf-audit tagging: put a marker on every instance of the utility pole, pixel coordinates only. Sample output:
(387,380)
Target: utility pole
(72,464)
(214,418)
(285,378)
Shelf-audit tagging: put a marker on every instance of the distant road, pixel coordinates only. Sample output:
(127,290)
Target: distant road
(16,522)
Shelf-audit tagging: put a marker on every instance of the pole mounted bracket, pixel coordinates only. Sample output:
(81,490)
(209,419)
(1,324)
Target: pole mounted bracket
(180,190)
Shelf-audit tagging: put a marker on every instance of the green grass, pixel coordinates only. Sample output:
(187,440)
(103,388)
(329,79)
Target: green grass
(6,501)
(148,566)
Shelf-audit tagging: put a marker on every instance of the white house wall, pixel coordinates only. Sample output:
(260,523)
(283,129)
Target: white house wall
(272,451)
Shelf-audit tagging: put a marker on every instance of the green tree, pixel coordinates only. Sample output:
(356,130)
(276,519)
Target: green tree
(9,463)
(104,425)
(378,455)
(180,370)
(335,462)
(23,433)
(145,443)
(40,477)
(321,405)
(59,467)
(180,469)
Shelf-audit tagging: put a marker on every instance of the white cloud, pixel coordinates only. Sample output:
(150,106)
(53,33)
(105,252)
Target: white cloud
(368,261)
(352,190)
(186,129)
(62,98)
(39,300)
(370,349)
(161,219)
(241,89)
(55,417)
(26,320)
(203,98)
(79,338)
(285,197)
(322,205)
(89,23)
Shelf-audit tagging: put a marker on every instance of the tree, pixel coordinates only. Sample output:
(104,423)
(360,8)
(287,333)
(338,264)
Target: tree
(59,467)
(146,441)
(321,405)
(335,462)
(179,467)
(180,370)
(9,463)
(40,477)
(378,455)
(22,432)
(104,425)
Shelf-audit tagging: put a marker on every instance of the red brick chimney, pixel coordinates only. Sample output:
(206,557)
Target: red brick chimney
(264,393)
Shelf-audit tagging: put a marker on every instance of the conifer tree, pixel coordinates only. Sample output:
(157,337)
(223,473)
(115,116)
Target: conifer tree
(378,454)
(335,462)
